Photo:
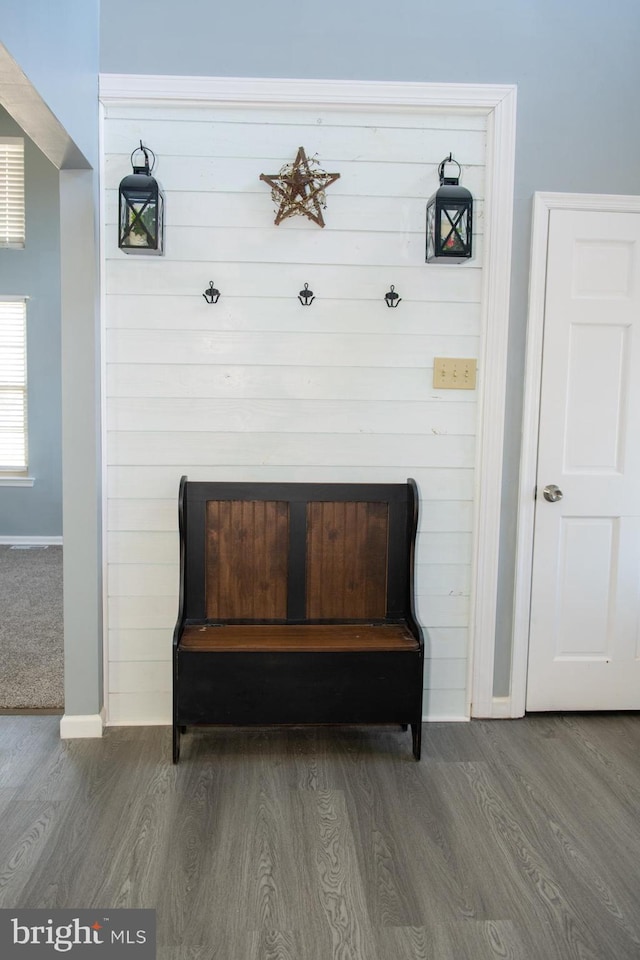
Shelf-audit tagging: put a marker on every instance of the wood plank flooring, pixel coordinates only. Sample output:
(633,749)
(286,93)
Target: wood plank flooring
(510,840)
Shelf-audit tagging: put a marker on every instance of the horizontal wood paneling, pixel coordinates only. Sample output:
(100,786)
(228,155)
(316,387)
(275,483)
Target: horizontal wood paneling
(282,348)
(445,705)
(457,283)
(290,416)
(259,387)
(439,611)
(242,175)
(161,482)
(144,708)
(144,546)
(380,214)
(140,645)
(445,674)
(140,677)
(444,548)
(397,144)
(142,613)
(149,311)
(291,448)
(276,382)
(447,643)
(143,580)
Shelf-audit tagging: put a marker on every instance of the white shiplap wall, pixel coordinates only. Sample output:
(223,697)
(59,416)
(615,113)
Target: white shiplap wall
(259,387)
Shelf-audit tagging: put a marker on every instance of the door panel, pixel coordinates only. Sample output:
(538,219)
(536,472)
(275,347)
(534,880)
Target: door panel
(583,648)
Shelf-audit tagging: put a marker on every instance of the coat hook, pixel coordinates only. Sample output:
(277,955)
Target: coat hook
(392,298)
(306,296)
(211,295)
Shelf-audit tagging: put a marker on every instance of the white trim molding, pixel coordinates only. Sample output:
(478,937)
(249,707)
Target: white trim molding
(9,481)
(44,541)
(543,204)
(500,165)
(498,104)
(127,88)
(85,726)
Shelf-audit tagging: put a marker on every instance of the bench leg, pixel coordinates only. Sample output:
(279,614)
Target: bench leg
(416,732)
(176,741)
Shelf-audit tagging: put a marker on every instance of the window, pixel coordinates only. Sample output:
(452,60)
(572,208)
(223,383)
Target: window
(11,192)
(13,386)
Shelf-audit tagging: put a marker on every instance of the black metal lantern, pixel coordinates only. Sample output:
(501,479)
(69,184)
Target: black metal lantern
(141,219)
(449,219)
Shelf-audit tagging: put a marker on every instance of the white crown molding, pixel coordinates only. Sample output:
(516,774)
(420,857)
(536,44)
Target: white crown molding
(114,87)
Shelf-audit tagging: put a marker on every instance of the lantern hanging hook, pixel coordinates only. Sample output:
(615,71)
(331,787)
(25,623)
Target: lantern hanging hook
(146,151)
(448,159)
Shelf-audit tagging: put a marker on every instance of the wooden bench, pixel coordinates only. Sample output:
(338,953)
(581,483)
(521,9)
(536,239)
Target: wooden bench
(296,606)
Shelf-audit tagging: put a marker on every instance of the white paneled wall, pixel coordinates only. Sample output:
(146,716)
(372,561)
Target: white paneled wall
(259,387)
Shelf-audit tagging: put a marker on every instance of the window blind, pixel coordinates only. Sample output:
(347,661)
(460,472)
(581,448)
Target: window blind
(12,230)
(13,386)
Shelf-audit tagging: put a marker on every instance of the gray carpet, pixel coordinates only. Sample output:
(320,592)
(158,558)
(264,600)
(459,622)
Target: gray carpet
(31,633)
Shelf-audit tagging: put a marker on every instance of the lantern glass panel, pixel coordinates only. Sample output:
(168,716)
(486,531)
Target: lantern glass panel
(454,229)
(140,223)
(431,232)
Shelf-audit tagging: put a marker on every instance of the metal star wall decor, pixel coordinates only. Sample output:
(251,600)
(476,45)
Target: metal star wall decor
(299,188)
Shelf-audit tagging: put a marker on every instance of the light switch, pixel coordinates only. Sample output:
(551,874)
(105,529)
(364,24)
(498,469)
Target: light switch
(454,373)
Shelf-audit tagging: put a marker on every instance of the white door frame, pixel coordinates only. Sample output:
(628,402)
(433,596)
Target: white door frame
(543,204)
(498,104)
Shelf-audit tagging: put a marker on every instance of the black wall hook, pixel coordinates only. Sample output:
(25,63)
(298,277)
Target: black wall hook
(306,296)
(211,295)
(392,298)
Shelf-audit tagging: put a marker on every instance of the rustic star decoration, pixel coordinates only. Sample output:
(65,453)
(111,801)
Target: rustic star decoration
(299,188)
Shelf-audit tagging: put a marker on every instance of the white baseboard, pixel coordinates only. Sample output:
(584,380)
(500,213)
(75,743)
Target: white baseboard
(30,541)
(81,726)
(445,718)
(501,708)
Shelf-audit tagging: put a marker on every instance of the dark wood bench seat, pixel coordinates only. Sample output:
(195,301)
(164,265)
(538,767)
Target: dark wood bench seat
(305,637)
(296,606)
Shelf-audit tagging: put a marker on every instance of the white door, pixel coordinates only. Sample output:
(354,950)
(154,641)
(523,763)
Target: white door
(584,646)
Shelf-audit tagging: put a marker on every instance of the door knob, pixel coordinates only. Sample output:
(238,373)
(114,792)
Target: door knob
(552,493)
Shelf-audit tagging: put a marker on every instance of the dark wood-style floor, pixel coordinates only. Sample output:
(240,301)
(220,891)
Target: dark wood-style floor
(511,839)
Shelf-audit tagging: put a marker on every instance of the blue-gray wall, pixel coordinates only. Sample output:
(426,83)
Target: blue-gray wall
(575,62)
(55,42)
(35,272)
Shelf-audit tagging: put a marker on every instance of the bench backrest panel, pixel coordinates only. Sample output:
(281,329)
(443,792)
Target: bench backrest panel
(296,551)
(246,559)
(347,560)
